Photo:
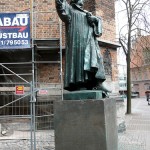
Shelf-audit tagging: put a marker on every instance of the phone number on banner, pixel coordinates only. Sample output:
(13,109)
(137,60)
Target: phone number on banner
(13,42)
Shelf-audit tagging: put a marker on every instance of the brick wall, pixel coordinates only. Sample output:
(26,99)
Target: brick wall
(140,64)
(47,23)
(14,5)
(106,10)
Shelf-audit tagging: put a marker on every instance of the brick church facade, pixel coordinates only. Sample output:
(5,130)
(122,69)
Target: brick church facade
(140,65)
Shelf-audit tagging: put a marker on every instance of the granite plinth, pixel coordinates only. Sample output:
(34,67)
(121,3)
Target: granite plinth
(121,111)
(85,125)
(83,95)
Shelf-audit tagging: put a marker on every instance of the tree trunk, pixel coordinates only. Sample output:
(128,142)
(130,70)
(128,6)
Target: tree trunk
(128,86)
(128,68)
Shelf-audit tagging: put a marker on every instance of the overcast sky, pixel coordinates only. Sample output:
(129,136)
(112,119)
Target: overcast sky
(121,21)
(119,25)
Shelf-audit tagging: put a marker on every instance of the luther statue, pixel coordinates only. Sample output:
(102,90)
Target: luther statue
(84,67)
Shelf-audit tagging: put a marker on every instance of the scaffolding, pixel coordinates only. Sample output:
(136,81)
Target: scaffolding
(28,118)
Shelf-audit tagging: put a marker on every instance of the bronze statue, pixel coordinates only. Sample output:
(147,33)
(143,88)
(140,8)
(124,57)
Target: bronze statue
(84,63)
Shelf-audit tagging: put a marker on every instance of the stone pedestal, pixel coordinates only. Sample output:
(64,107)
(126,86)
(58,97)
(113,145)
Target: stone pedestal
(85,125)
(121,110)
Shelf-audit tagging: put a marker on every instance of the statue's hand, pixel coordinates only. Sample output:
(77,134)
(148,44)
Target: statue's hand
(91,19)
(59,2)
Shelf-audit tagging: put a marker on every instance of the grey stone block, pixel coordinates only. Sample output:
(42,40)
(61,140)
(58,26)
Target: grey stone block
(121,110)
(85,125)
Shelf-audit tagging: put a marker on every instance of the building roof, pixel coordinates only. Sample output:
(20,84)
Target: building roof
(109,44)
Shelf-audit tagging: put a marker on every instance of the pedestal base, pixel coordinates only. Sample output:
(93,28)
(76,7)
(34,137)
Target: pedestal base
(83,95)
(85,125)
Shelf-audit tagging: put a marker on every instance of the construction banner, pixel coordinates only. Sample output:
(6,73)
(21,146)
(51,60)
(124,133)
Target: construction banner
(14,30)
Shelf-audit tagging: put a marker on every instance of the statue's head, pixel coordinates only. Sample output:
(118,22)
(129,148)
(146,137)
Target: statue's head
(78,2)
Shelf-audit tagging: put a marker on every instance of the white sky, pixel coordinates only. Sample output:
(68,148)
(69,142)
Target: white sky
(119,24)
(121,21)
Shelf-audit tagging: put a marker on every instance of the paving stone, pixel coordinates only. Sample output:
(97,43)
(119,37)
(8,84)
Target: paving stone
(137,134)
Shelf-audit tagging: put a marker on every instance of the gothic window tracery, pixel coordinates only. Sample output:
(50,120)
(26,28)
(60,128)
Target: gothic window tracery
(107,62)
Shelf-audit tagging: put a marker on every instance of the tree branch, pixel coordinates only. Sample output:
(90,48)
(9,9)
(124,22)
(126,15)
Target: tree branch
(124,49)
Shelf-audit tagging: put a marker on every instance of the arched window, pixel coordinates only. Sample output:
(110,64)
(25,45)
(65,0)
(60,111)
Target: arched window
(136,87)
(107,62)
(147,86)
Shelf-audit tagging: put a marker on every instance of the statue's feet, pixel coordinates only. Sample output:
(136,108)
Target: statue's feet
(102,87)
(105,90)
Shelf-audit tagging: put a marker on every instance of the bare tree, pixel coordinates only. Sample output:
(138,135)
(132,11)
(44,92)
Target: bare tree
(136,20)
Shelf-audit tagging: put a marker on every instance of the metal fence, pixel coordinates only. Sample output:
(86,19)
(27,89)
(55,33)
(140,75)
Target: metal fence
(27,123)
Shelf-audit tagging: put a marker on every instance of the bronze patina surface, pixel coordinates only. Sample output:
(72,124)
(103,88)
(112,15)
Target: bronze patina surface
(84,63)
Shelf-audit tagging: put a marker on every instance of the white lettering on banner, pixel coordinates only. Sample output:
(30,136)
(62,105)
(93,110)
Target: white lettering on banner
(14,42)
(7,21)
(4,35)
(21,20)
(14,35)
(15,22)
(1,23)
(14,30)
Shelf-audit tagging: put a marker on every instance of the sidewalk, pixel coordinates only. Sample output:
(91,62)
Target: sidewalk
(137,134)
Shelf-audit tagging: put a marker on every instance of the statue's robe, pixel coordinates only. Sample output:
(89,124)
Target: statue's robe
(84,63)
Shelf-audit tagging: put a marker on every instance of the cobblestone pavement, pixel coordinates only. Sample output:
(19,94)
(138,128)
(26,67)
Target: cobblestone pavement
(137,134)
(21,141)
(25,145)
